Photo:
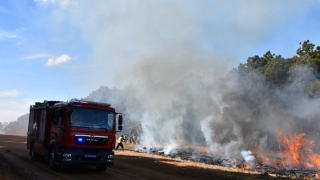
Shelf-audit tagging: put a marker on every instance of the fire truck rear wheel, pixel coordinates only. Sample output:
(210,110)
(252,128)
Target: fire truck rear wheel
(51,158)
(101,168)
(33,155)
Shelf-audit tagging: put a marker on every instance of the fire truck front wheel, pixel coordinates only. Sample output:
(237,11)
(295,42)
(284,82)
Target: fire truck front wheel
(52,159)
(101,168)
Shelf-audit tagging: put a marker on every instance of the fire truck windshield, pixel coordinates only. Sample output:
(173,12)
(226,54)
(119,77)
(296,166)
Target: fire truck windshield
(90,118)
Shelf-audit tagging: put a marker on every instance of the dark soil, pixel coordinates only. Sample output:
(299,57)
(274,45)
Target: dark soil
(15,164)
(10,172)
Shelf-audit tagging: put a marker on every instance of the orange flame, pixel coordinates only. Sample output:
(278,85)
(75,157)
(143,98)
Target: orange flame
(247,166)
(263,159)
(297,150)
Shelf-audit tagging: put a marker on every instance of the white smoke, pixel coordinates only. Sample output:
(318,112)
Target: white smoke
(170,148)
(248,157)
(179,85)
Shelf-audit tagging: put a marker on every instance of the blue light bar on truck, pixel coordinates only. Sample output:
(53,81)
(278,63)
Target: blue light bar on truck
(89,102)
(78,101)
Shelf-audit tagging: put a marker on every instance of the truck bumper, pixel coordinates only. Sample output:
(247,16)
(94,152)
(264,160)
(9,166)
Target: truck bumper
(88,157)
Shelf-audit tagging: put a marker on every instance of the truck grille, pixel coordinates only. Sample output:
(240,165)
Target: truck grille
(91,140)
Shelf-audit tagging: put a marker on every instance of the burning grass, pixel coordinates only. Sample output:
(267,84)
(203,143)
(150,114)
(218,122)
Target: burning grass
(294,158)
(193,170)
(297,150)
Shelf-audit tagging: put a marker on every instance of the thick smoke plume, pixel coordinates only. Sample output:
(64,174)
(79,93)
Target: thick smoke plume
(188,100)
(174,54)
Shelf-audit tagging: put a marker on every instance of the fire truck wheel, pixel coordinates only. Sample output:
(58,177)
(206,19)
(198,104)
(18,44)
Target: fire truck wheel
(52,165)
(101,168)
(33,155)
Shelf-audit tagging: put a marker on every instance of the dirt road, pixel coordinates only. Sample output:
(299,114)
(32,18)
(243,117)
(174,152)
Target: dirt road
(128,165)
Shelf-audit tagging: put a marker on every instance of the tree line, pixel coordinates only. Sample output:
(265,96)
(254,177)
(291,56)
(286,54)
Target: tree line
(20,126)
(272,93)
(279,72)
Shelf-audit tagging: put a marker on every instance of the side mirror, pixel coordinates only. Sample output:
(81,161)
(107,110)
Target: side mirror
(120,123)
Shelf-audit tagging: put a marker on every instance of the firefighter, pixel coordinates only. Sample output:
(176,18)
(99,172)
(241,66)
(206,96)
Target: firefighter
(120,140)
(138,139)
(134,139)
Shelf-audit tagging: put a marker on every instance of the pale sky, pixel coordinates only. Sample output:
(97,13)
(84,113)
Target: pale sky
(57,49)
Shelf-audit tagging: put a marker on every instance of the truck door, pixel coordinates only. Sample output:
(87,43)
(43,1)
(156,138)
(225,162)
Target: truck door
(30,127)
(59,125)
(42,125)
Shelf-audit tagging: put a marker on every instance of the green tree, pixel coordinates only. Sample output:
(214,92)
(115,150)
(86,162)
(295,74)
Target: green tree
(256,63)
(308,56)
(277,70)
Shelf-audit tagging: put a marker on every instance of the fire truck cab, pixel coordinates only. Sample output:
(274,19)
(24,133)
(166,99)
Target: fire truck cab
(75,132)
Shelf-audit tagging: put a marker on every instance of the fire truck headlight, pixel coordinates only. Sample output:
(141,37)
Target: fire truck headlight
(110,156)
(66,155)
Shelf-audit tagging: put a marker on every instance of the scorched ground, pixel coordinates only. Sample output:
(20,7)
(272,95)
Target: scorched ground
(128,165)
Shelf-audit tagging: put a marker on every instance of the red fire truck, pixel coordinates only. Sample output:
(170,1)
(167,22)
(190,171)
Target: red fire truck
(75,132)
